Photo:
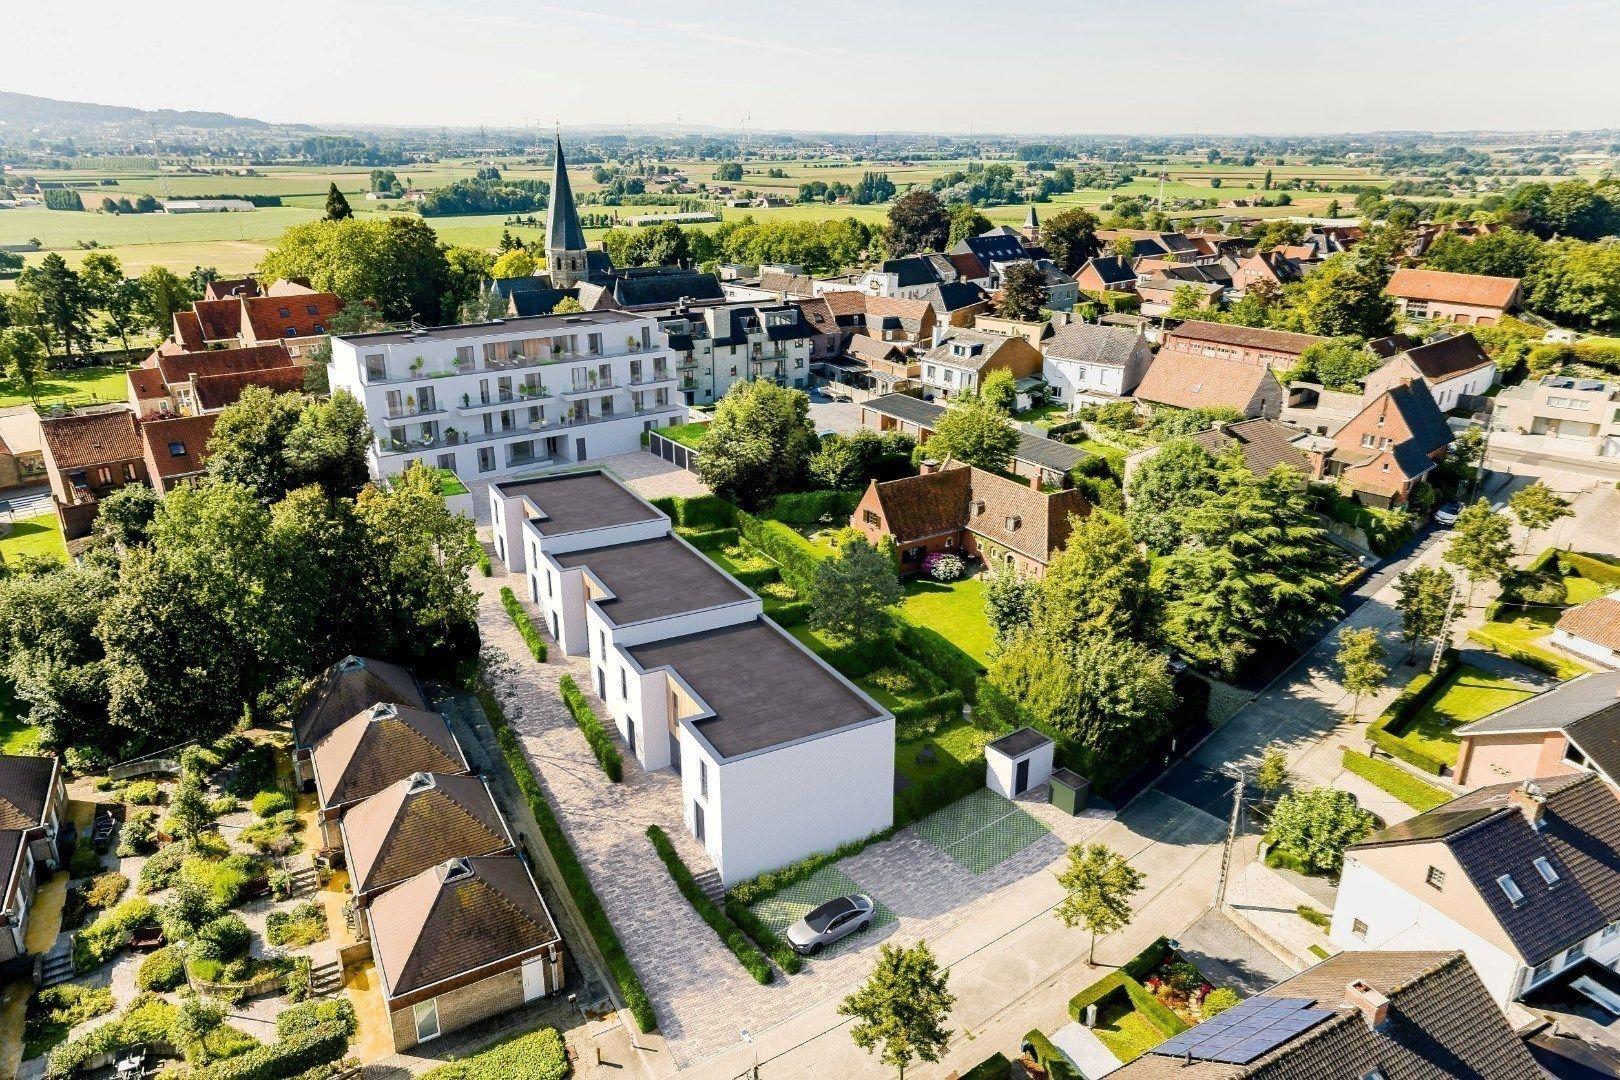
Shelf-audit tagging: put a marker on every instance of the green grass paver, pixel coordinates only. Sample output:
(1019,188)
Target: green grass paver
(791,904)
(1127,1033)
(980,831)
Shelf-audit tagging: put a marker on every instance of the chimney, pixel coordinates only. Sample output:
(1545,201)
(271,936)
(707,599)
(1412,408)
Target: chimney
(1373,1005)
(1531,800)
(929,465)
(1035,481)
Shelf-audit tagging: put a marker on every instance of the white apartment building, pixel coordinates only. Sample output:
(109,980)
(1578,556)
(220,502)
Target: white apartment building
(488,399)
(779,755)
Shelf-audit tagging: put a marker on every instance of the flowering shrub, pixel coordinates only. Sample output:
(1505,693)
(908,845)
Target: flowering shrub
(943,566)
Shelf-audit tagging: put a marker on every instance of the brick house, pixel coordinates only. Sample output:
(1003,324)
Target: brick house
(967,511)
(22,455)
(417,823)
(298,322)
(1277,349)
(1466,299)
(376,747)
(1189,381)
(1574,727)
(191,383)
(343,689)
(1272,267)
(175,449)
(1106,273)
(1455,369)
(1036,458)
(89,455)
(1389,446)
(33,804)
(460,942)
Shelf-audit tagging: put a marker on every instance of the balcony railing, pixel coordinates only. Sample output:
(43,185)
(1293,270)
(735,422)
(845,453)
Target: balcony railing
(407,414)
(599,386)
(445,369)
(475,407)
(385,445)
(651,378)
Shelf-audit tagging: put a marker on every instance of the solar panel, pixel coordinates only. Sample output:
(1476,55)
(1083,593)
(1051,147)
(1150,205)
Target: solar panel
(1246,1031)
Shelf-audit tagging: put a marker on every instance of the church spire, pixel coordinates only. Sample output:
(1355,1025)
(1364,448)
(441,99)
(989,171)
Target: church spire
(565,240)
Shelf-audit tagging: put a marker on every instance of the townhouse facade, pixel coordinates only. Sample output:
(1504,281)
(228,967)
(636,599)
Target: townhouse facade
(488,399)
(1564,415)
(718,347)
(1279,350)
(1455,369)
(959,363)
(1087,364)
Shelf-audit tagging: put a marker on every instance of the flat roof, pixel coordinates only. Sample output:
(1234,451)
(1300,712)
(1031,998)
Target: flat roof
(1018,743)
(654,578)
(577,502)
(528,324)
(765,689)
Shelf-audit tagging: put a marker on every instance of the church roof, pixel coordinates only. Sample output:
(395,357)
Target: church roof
(562,219)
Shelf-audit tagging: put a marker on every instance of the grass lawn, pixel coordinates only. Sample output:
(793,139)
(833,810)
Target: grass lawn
(1126,1032)
(1467,695)
(953,744)
(1053,412)
(686,434)
(1580,590)
(39,537)
(77,387)
(955,609)
(450,484)
(1524,630)
(16,737)
(1418,794)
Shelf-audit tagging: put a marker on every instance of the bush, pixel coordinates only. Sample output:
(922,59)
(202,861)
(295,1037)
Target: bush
(148,1018)
(1218,1001)
(225,804)
(537,1055)
(485,567)
(1052,1060)
(106,890)
(1314,917)
(573,874)
(97,944)
(164,969)
(750,958)
(255,771)
(699,513)
(601,744)
(804,508)
(943,566)
(525,625)
(1544,662)
(223,939)
(55,1010)
(305,924)
(1403,708)
(161,870)
(763,936)
(223,880)
(143,793)
(940,656)
(86,861)
(282,1059)
(267,804)
(712,539)
(793,554)
(138,834)
(1312,828)
(1141,999)
(310,1015)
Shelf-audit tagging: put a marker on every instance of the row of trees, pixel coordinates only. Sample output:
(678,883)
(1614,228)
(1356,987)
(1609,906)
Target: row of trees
(220,599)
(1567,279)
(72,311)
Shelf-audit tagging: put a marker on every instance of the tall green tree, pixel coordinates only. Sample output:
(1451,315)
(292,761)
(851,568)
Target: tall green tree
(918,222)
(966,221)
(1023,292)
(1098,884)
(855,593)
(1187,302)
(396,263)
(57,293)
(337,207)
(975,433)
(1098,583)
(1163,487)
(1338,364)
(51,655)
(162,294)
(22,360)
(1481,545)
(1342,297)
(1009,602)
(759,443)
(1310,829)
(999,390)
(902,1007)
(1361,664)
(1070,238)
(1425,603)
(1538,507)
(116,296)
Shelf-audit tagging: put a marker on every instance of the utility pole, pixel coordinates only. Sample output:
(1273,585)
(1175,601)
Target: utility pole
(1231,837)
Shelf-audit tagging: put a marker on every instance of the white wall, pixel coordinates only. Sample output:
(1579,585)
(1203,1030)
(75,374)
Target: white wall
(1589,649)
(780,805)
(1001,771)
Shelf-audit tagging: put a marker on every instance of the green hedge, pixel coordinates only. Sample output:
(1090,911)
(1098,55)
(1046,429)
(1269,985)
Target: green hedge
(1418,794)
(994,1067)
(793,553)
(767,939)
(537,1055)
(1051,1059)
(937,792)
(712,539)
(601,743)
(1544,662)
(1591,568)
(750,958)
(1148,960)
(941,656)
(1403,708)
(284,1058)
(788,612)
(525,625)
(699,513)
(810,507)
(1142,1000)
(579,885)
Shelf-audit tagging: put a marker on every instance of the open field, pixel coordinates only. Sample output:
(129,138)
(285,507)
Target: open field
(84,386)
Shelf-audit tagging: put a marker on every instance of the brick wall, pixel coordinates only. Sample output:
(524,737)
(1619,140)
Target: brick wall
(464,1005)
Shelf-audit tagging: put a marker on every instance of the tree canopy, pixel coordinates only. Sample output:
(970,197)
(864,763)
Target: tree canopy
(759,443)
(396,263)
(976,433)
(918,222)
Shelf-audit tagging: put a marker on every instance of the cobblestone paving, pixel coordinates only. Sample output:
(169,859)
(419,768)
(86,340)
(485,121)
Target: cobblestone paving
(702,996)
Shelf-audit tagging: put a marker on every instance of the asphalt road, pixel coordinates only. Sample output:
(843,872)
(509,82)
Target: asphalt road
(25,502)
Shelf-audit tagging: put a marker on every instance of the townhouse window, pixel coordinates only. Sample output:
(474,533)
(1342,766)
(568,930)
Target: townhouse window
(486,459)
(1576,953)
(103,476)
(1368,440)
(703,779)
(1574,756)
(1358,929)
(624,685)
(1609,932)
(1539,972)
(549,590)
(1436,877)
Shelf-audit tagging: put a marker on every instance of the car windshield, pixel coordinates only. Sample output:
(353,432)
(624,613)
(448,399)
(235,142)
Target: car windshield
(819,919)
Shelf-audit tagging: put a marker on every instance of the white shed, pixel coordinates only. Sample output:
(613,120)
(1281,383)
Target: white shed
(1017,762)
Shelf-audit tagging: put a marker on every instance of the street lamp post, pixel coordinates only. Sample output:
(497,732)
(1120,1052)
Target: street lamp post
(753,1071)
(1231,833)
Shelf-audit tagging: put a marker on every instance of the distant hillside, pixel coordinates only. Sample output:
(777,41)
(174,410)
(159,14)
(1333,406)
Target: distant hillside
(25,110)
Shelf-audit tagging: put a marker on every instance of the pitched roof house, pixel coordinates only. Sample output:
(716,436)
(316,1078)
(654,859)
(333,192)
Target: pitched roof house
(1190,381)
(1455,369)
(1089,364)
(296,322)
(1524,877)
(958,508)
(1272,267)
(1391,444)
(33,804)
(1382,1015)
(1264,443)
(959,362)
(1592,629)
(1279,350)
(208,380)
(1467,299)
(1571,728)
(89,454)
(376,747)
(460,942)
(417,823)
(1105,273)
(175,448)
(342,690)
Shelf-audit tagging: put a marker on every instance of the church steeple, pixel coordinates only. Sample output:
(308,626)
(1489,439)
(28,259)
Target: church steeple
(565,240)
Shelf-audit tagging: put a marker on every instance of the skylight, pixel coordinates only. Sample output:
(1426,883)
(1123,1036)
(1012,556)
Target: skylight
(1548,873)
(1510,889)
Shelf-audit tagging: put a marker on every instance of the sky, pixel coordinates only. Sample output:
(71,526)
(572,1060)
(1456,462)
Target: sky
(1036,66)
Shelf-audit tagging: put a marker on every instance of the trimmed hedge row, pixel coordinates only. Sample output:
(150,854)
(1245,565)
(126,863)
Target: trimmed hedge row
(712,539)
(1147,961)
(994,1067)
(937,792)
(1558,668)
(601,744)
(1418,794)
(763,936)
(1590,568)
(525,625)
(1054,1061)
(536,1055)
(941,656)
(788,612)
(750,957)
(1157,1013)
(1403,708)
(698,513)
(809,507)
(793,553)
(283,1058)
(573,874)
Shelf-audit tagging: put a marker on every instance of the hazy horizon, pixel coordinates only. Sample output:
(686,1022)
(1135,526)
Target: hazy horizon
(1254,67)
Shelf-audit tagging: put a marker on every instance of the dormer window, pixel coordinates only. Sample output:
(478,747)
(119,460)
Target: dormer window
(1013,522)
(177,449)
(312,309)
(978,507)
(1510,889)
(1548,872)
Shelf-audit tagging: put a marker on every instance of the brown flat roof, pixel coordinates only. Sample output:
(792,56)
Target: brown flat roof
(765,689)
(654,578)
(577,502)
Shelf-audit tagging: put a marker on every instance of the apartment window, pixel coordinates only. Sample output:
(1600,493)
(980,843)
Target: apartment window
(447,461)
(1436,877)
(703,779)
(601,639)
(549,586)
(932,372)
(1539,972)
(376,368)
(594,343)
(1548,872)
(464,355)
(1358,929)
(870,517)
(486,459)
(1510,889)
(624,685)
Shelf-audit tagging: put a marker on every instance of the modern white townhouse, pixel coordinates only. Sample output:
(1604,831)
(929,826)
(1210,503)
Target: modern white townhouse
(779,755)
(718,347)
(487,399)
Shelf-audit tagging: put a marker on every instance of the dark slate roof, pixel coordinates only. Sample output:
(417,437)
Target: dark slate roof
(660,286)
(352,684)
(992,247)
(25,790)
(1553,709)
(955,296)
(1019,742)
(1111,268)
(737,323)
(1442,1025)
(1579,834)
(1430,432)
(1087,343)
(508,287)
(911,271)
(1448,357)
(1265,444)
(533,302)
(562,219)
(1386,347)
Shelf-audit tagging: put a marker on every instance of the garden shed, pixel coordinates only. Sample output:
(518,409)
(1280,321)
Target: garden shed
(1017,762)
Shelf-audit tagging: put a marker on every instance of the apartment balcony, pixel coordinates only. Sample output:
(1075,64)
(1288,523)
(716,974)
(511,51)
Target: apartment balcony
(475,407)
(600,386)
(549,426)
(447,369)
(412,414)
(652,378)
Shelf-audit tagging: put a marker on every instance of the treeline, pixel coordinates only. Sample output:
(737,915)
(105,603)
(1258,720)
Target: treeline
(819,246)
(344,150)
(998,184)
(875,187)
(486,196)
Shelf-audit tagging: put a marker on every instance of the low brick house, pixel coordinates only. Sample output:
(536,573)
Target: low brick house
(1277,349)
(1466,299)
(374,748)
(1188,381)
(176,449)
(417,823)
(1573,727)
(343,689)
(89,455)
(955,508)
(33,805)
(460,942)
(1455,369)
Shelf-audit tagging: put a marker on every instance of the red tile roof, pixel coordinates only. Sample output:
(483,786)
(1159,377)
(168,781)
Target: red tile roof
(221,320)
(179,367)
(1190,381)
(271,318)
(146,383)
(1597,621)
(229,287)
(187,330)
(1246,337)
(215,392)
(845,302)
(177,446)
(1448,288)
(1005,511)
(91,438)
